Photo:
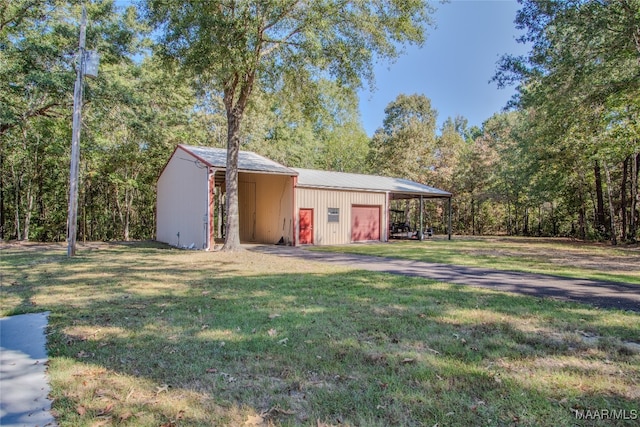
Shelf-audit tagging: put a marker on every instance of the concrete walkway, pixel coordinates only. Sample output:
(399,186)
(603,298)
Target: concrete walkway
(24,388)
(597,293)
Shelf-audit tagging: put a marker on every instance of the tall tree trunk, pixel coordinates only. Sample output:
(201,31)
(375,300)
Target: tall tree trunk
(600,216)
(2,216)
(128,201)
(17,212)
(473,217)
(27,215)
(539,220)
(508,218)
(612,213)
(235,105)
(635,197)
(582,222)
(623,198)
(514,228)
(17,200)
(232,239)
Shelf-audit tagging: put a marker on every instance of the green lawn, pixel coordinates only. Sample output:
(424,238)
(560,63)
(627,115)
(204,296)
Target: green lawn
(143,335)
(562,257)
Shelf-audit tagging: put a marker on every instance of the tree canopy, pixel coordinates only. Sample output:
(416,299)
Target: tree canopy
(227,46)
(280,78)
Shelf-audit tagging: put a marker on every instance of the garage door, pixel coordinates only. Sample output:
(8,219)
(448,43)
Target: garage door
(365,223)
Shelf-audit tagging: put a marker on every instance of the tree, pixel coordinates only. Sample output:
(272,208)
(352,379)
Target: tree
(405,146)
(581,80)
(230,45)
(134,114)
(323,133)
(38,42)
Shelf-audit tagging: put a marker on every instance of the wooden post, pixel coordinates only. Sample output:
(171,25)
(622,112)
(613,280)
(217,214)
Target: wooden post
(72,219)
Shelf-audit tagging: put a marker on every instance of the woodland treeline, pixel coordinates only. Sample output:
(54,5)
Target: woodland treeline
(563,160)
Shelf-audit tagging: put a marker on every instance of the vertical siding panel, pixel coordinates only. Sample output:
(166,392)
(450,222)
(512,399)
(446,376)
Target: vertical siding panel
(247,209)
(273,208)
(182,202)
(329,233)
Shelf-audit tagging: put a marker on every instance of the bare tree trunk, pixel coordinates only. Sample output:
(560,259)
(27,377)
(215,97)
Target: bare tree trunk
(582,222)
(612,213)
(128,200)
(235,105)
(18,179)
(27,214)
(514,224)
(473,217)
(635,197)
(623,198)
(539,220)
(508,219)
(601,225)
(2,218)
(232,238)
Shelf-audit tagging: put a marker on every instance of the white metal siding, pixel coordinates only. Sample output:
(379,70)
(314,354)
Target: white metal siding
(335,233)
(182,202)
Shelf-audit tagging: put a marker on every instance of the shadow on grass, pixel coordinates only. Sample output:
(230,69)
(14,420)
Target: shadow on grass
(599,293)
(146,336)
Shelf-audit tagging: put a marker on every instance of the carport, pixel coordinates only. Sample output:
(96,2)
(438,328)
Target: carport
(409,190)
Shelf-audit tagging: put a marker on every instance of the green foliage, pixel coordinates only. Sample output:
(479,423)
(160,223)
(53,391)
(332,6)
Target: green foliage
(231,47)
(579,87)
(406,144)
(133,115)
(564,163)
(322,131)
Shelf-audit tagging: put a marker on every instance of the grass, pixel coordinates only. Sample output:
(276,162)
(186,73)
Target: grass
(143,335)
(561,257)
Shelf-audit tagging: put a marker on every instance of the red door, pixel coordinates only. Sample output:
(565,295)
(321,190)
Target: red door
(306,226)
(365,223)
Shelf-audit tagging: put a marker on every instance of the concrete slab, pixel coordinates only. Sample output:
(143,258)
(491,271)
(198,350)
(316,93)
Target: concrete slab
(24,386)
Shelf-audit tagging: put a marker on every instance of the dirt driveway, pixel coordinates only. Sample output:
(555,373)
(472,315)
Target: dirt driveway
(597,293)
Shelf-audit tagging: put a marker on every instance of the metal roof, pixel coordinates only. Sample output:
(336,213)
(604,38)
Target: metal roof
(309,178)
(401,188)
(247,160)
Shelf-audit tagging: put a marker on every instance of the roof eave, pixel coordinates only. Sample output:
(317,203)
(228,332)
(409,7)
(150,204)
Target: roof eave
(261,172)
(410,194)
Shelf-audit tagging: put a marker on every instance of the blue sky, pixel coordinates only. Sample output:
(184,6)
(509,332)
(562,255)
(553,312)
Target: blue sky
(454,66)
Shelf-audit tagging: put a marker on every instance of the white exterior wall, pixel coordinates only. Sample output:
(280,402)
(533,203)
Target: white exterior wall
(336,233)
(182,202)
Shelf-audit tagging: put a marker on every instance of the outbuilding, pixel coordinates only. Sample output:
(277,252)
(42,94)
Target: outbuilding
(277,204)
